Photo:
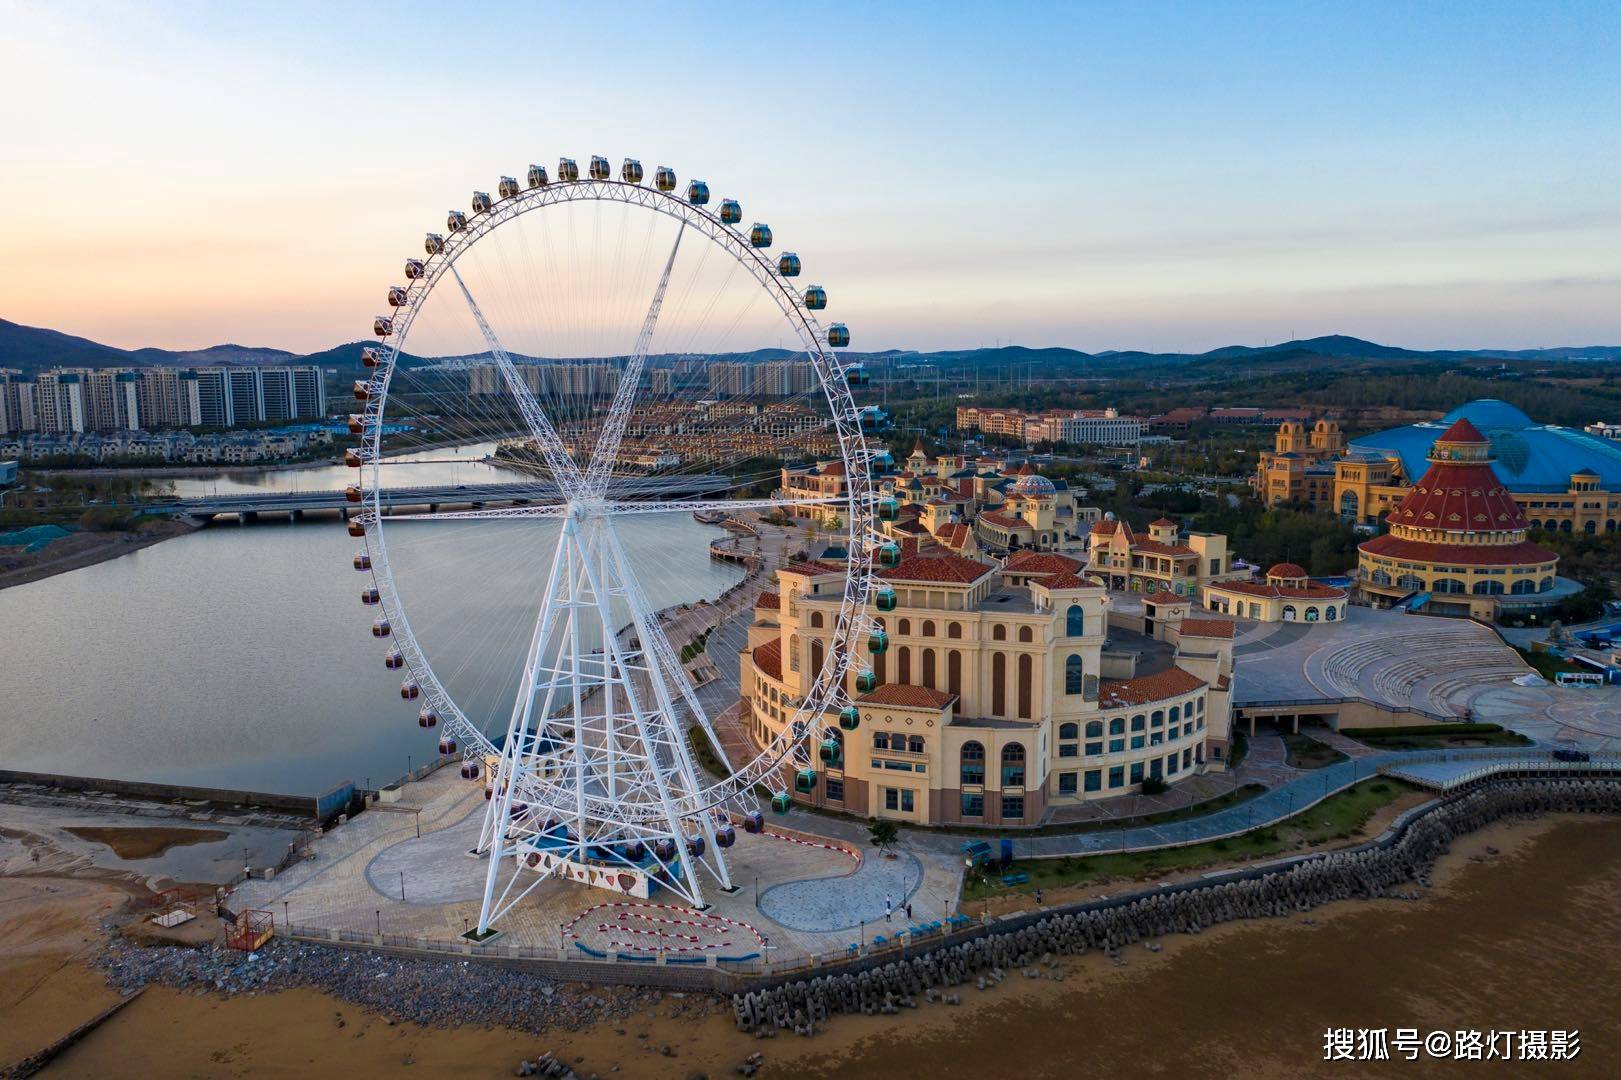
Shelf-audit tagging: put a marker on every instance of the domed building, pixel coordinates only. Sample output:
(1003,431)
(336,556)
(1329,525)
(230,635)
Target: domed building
(1287,595)
(1457,541)
(1563,479)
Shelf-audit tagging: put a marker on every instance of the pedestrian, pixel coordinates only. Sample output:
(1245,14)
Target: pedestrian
(887,907)
(908,909)
(1038,898)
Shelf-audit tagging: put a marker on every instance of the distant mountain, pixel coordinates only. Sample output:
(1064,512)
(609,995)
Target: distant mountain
(33,349)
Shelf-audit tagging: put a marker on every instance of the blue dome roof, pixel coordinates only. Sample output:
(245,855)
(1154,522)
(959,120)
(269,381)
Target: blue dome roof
(1528,456)
(1489,413)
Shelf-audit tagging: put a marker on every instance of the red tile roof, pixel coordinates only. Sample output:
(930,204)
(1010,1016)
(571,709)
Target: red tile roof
(1172,682)
(1459,496)
(812,569)
(1006,521)
(1218,628)
(1464,554)
(833,468)
(952,535)
(1043,562)
(1312,590)
(1154,547)
(1286,570)
(1162,523)
(768,658)
(911,526)
(942,567)
(768,601)
(907,696)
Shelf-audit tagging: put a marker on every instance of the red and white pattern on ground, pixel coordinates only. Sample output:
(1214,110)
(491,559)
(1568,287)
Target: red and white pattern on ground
(840,848)
(635,926)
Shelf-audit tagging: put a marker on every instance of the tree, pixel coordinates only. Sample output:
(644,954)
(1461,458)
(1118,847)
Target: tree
(883,833)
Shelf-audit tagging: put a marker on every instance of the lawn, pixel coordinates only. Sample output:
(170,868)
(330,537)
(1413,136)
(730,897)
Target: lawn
(1437,737)
(1547,664)
(1306,752)
(1339,817)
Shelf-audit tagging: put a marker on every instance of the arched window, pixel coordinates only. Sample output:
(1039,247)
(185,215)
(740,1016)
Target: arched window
(1524,586)
(1117,725)
(1289,613)
(914,744)
(1545,585)
(903,664)
(1094,729)
(1609,525)
(1487,587)
(1176,713)
(1074,675)
(1409,581)
(954,630)
(1332,612)
(816,655)
(1075,621)
(1024,686)
(1591,527)
(1348,506)
(1312,614)
(928,627)
(793,652)
(972,764)
(928,668)
(1448,585)
(998,684)
(1025,634)
(1069,731)
(1564,526)
(1013,765)
(954,672)
(905,627)
(1381,577)
(816,620)
(998,632)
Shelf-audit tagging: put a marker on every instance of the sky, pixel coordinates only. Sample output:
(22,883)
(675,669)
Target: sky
(1166,177)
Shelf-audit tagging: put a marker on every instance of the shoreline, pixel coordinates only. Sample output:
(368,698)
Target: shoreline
(1480,919)
(88,549)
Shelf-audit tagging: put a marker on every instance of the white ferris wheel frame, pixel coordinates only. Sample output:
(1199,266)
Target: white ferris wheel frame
(828,691)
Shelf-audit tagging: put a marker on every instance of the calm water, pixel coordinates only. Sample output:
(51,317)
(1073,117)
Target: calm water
(241,655)
(450,465)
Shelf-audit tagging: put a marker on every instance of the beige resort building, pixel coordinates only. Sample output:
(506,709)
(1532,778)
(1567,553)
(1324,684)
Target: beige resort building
(997,697)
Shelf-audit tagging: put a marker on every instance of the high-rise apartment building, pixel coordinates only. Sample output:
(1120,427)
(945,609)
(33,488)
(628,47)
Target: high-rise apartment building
(230,396)
(59,404)
(166,398)
(111,400)
(16,403)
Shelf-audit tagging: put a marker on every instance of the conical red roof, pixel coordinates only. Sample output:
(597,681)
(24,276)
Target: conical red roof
(1462,431)
(1459,496)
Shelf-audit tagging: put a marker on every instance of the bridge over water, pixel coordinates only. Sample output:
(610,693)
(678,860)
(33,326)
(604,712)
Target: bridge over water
(251,504)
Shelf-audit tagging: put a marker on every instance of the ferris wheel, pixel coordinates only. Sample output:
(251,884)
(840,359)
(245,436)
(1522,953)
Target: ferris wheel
(597,340)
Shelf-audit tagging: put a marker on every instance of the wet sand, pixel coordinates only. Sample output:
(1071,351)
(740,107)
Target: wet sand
(145,842)
(1529,938)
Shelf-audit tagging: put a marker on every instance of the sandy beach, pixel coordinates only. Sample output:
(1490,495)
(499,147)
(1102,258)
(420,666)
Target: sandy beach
(1526,937)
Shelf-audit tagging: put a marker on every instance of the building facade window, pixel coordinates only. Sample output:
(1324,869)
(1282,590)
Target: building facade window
(972,759)
(1074,676)
(1013,765)
(1075,621)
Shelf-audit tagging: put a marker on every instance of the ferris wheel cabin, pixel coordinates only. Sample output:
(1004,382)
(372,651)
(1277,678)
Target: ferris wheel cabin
(481,202)
(600,169)
(664,178)
(815,298)
(788,264)
(631,171)
(537,177)
(567,170)
(760,235)
(698,193)
(507,188)
(731,212)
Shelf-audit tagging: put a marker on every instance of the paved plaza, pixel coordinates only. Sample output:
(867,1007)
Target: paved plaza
(792,895)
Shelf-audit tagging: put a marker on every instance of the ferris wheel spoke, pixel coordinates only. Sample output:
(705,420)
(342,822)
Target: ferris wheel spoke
(493,513)
(613,428)
(712,506)
(564,471)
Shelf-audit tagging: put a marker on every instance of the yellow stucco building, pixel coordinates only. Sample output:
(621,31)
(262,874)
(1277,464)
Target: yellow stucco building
(996,697)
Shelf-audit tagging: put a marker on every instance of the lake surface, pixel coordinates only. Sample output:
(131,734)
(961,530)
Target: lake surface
(448,465)
(241,656)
